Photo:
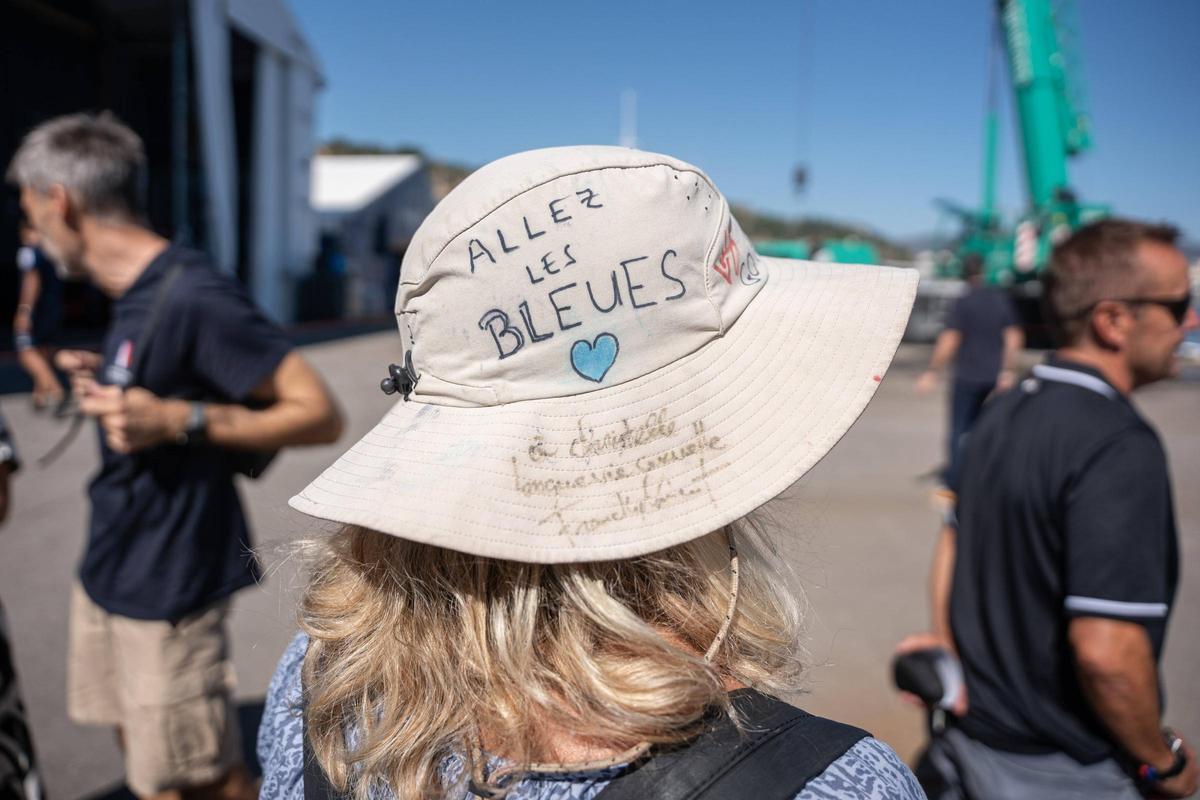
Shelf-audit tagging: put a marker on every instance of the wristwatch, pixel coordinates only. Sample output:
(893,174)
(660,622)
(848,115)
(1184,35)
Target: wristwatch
(196,430)
(1148,773)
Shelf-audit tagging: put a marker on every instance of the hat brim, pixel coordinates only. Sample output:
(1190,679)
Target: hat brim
(646,464)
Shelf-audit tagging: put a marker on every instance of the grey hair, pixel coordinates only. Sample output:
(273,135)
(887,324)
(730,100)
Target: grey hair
(98,159)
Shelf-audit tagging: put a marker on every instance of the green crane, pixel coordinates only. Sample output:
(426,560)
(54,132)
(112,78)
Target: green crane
(1053,127)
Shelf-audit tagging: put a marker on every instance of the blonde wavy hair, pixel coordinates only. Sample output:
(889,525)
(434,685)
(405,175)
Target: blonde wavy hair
(415,648)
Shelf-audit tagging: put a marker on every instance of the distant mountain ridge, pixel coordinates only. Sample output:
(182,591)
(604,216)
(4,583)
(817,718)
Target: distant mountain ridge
(759,225)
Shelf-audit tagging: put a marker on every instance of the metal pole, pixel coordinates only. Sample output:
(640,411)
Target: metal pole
(629,118)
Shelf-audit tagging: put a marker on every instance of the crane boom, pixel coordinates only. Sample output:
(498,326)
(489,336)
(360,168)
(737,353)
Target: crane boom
(1052,126)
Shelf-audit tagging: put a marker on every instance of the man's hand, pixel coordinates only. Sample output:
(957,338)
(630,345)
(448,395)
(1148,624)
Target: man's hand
(921,641)
(927,641)
(944,349)
(1006,380)
(1185,783)
(927,382)
(81,367)
(73,361)
(134,419)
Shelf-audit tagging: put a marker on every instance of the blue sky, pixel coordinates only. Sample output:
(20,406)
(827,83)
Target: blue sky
(883,100)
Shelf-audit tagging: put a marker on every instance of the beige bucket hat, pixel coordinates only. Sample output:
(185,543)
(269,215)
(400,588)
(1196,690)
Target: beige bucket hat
(597,365)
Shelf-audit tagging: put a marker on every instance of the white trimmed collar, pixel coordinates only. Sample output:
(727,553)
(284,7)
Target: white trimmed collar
(1047,372)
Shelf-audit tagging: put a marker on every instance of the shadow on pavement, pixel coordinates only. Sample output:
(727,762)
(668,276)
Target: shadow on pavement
(249,715)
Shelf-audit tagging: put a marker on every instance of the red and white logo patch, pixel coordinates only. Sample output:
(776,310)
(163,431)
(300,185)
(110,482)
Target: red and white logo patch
(124,357)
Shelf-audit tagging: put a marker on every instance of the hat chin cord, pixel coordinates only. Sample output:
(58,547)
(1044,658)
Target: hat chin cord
(503,777)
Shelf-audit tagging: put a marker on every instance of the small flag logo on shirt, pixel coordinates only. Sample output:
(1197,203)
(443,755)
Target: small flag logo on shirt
(124,357)
(119,372)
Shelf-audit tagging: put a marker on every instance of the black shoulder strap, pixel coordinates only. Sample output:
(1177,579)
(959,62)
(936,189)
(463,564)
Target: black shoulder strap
(153,318)
(783,748)
(316,782)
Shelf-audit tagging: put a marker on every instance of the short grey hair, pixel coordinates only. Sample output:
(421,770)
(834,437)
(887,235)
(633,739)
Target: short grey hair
(98,159)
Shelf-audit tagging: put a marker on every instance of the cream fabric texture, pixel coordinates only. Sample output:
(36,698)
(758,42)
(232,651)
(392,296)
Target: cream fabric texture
(606,368)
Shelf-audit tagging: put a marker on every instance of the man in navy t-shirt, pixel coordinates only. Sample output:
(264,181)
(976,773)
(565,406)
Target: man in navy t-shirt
(982,339)
(193,379)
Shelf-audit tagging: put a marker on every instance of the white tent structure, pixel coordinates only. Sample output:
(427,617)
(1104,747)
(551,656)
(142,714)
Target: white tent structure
(372,205)
(280,240)
(223,94)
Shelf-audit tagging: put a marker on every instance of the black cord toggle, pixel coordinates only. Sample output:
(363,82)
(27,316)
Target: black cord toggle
(402,379)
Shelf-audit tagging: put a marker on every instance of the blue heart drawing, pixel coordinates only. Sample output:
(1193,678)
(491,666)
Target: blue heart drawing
(592,360)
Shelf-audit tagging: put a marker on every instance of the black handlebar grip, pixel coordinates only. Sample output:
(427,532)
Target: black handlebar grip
(917,672)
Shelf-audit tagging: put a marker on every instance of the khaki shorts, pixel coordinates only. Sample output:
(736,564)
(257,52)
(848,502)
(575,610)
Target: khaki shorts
(168,686)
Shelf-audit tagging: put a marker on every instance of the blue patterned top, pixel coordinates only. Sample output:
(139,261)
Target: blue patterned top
(869,770)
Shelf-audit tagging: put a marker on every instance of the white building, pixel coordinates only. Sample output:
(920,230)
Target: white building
(279,241)
(222,92)
(372,205)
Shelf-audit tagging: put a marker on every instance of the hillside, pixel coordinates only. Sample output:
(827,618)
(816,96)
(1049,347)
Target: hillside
(758,225)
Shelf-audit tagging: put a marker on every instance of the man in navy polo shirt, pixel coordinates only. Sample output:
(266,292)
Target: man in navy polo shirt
(1056,579)
(191,374)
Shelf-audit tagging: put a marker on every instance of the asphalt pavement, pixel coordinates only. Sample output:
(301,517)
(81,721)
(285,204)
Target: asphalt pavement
(857,533)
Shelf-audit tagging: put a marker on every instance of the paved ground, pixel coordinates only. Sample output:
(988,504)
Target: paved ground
(858,529)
